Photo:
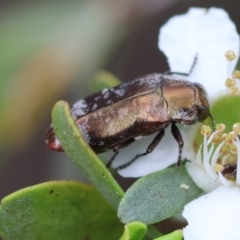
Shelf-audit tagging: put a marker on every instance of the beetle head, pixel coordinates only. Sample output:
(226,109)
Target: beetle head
(198,111)
(202,104)
(187,102)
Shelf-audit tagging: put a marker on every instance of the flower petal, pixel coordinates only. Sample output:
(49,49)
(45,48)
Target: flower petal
(214,215)
(207,33)
(201,177)
(164,155)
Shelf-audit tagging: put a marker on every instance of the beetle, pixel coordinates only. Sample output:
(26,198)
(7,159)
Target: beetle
(113,118)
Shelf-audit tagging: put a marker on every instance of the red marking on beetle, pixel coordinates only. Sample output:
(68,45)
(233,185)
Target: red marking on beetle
(52,141)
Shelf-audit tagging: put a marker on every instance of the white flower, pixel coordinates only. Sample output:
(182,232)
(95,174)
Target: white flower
(207,33)
(206,169)
(214,216)
(216,170)
(162,157)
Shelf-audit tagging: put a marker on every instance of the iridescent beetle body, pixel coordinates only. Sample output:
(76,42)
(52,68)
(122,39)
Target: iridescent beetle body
(114,117)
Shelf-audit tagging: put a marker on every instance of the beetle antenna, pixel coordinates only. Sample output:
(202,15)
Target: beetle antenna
(185,74)
(213,122)
(193,64)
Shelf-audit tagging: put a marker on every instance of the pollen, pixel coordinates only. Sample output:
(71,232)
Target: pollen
(206,130)
(220,127)
(231,83)
(184,186)
(233,149)
(224,136)
(218,168)
(220,152)
(217,138)
(230,55)
(236,74)
(234,91)
(230,137)
(236,127)
(224,150)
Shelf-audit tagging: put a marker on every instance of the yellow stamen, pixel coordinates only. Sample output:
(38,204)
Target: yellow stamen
(206,130)
(232,159)
(230,83)
(224,135)
(234,91)
(220,127)
(236,74)
(233,149)
(217,138)
(224,150)
(230,137)
(236,127)
(218,167)
(230,55)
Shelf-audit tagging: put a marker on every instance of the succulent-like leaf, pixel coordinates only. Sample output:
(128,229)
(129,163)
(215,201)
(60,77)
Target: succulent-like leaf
(61,210)
(82,155)
(176,235)
(134,231)
(158,196)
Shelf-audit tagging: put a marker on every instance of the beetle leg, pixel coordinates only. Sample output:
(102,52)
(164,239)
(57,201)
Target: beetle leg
(150,148)
(178,137)
(112,159)
(116,150)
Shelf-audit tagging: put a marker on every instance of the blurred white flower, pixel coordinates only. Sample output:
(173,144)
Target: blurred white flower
(207,34)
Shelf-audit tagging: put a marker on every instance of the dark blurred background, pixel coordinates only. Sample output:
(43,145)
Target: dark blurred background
(50,50)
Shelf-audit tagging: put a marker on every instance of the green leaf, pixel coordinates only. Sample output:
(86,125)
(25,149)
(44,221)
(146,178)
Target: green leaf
(103,79)
(61,210)
(82,155)
(152,232)
(134,231)
(158,196)
(176,235)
